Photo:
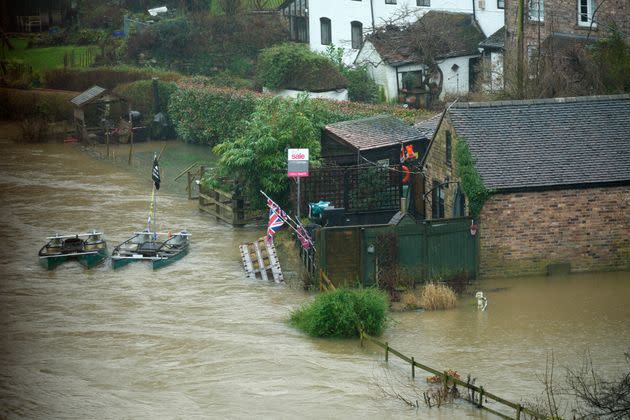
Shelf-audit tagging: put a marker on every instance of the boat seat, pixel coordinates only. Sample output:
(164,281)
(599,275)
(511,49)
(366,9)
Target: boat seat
(72,245)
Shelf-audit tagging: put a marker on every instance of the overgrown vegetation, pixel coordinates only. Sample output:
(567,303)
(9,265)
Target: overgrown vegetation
(19,104)
(586,394)
(257,160)
(295,66)
(361,87)
(471,182)
(107,77)
(208,114)
(437,297)
(343,313)
(140,96)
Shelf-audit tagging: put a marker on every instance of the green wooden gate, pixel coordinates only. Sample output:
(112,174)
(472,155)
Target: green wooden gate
(428,250)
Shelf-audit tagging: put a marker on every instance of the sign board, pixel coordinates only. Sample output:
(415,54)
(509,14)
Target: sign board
(298,162)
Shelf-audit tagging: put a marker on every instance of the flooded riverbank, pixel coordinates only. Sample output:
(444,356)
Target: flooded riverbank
(199,340)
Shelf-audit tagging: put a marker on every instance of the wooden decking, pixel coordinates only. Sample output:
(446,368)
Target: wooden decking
(260,260)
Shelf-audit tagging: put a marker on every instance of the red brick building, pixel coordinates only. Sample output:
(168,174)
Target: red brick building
(558,173)
(564,22)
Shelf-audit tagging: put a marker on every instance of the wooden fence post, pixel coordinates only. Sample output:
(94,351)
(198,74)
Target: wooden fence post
(413,368)
(386,351)
(445,381)
(518,412)
(480,397)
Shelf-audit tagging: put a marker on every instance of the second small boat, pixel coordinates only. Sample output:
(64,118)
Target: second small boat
(160,249)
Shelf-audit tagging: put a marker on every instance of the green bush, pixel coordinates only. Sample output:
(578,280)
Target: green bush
(294,66)
(140,95)
(361,87)
(20,104)
(208,114)
(342,313)
(80,79)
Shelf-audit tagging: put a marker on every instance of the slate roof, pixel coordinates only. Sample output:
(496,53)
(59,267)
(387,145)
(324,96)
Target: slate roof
(374,132)
(448,34)
(428,127)
(496,41)
(87,95)
(547,143)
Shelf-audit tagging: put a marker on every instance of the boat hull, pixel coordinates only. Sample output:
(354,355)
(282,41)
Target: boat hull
(144,246)
(88,252)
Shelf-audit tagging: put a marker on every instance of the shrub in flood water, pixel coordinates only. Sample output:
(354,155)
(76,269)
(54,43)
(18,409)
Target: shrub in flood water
(342,312)
(437,296)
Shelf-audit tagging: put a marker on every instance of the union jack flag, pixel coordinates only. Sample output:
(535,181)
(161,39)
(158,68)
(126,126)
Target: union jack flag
(277,217)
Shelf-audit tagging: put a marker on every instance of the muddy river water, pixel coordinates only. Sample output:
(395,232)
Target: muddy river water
(199,340)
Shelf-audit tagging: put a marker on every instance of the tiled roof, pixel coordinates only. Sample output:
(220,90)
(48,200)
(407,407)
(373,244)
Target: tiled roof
(87,95)
(495,41)
(547,143)
(451,35)
(428,127)
(374,132)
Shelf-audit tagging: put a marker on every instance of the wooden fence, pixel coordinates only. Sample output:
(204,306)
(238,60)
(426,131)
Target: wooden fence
(226,206)
(478,393)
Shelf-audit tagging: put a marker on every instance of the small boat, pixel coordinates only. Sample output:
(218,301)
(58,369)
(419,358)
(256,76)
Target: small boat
(89,249)
(161,249)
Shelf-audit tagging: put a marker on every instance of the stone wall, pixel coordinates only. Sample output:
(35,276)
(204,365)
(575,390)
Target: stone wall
(522,233)
(437,169)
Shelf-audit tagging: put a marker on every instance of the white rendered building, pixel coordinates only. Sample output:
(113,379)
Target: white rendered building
(344,23)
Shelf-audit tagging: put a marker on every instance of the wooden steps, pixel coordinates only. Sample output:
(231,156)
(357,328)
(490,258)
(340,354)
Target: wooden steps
(260,260)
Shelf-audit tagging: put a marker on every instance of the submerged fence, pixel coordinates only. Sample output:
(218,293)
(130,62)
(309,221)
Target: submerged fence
(478,393)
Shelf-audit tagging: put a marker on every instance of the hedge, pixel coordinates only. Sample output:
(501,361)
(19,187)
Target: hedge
(80,79)
(17,104)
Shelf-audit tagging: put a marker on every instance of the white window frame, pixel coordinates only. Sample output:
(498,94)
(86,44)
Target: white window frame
(590,12)
(536,10)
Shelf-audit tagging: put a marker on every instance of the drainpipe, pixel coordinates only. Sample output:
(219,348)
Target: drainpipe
(474,11)
(372,11)
(520,44)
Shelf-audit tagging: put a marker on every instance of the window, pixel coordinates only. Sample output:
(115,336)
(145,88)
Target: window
(537,10)
(500,4)
(299,28)
(326,30)
(357,34)
(586,10)
(449,147)
(437,201)
(410,80)
(390,1)
(425,3)
(459,202)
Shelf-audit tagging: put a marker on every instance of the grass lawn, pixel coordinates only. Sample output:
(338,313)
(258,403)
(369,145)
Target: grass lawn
(46,58)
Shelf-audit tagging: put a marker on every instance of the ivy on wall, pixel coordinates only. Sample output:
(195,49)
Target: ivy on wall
(471,182)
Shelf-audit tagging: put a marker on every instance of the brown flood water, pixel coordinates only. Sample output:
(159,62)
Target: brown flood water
(199,340)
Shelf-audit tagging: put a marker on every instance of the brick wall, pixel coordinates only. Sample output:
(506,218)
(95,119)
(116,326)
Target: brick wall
(522,233)
(561,16)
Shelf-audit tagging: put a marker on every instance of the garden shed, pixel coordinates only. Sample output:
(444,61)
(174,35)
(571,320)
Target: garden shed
(549,181)
(99,113)
(377,139)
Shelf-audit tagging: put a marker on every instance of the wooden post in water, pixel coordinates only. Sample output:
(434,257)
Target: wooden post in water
(480,397)
(518,412)
(413,368)
(445,381)
(386,351)
(130,138)
(107,142)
